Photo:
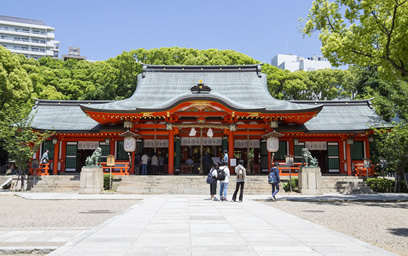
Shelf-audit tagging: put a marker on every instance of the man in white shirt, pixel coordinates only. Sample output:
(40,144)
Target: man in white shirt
(155,164)
(44,158)
(145,160)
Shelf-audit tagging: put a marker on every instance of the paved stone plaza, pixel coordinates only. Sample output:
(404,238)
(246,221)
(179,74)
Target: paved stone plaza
(194,225)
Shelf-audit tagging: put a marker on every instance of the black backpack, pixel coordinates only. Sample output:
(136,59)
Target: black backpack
(220,174)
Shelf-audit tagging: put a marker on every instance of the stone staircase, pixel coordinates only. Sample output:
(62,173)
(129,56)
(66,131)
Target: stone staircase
(344,185)
(188,185)
(56,183)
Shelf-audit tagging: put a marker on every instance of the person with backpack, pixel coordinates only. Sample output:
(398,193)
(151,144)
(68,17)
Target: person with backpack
(240,171)
(223,175)
(212,180)
(274,180)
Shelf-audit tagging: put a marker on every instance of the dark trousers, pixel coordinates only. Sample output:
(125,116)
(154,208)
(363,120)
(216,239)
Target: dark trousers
(275,188)
(241,194)
(213,188)
(154,169)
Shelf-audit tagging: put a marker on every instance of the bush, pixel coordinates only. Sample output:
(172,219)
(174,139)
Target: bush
(106,181)
(384,185)
(295,183)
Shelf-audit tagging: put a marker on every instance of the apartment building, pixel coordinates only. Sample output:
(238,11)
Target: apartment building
(30,37)
(294,63)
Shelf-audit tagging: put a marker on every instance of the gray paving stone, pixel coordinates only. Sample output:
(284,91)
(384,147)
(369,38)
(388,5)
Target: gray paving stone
(188,225)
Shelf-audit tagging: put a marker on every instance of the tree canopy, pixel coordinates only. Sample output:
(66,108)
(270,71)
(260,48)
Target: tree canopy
(364,33)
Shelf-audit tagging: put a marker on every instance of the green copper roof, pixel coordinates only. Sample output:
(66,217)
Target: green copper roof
(343,115)
(240,88)
(335,116)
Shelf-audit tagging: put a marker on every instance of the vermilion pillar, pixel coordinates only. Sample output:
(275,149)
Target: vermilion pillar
(231,149)
(63,155)
(56,154)
(171,152)
(348,158)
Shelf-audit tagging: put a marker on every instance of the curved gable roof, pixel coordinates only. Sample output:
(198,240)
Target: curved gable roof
(241,88)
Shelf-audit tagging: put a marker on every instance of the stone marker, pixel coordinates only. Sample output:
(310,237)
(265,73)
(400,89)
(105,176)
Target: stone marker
(310,181)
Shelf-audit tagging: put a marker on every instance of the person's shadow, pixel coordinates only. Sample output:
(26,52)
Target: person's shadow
(399,231)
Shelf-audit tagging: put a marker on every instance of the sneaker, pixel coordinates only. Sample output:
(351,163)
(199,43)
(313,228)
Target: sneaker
(273,198)
(222,199)
(215,199)
(225,199)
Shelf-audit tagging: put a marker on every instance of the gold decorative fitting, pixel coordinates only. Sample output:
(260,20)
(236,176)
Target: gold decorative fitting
(148,114)
(201,105)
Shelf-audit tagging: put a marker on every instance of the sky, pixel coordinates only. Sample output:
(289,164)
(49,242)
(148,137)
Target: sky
(104,29)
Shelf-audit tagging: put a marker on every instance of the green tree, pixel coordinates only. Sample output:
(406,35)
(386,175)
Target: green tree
(393,146)
(365,33)
(325,84)
(15,84)
(19,140)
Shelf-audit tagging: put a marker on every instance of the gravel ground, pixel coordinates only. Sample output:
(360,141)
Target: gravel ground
(383,224)
(17,212)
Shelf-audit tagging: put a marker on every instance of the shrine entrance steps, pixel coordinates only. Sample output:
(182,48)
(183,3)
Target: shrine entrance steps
(194,184)
(187,185)
(344,185)
(56,183)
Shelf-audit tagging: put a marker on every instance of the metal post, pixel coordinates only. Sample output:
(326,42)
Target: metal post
(110,178)
(290,178)
(201,151)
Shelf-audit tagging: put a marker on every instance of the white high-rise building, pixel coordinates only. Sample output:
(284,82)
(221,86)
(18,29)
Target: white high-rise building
(294,63)
(32,38)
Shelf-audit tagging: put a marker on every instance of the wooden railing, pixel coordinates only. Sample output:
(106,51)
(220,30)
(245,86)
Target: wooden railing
(284,170)
(41,170)
(360,170)
(120,168)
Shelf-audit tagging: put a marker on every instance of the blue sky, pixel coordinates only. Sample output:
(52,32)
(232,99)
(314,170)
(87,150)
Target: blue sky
(104,29)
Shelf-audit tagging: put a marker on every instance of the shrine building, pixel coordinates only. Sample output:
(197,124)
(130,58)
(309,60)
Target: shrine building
(197,112)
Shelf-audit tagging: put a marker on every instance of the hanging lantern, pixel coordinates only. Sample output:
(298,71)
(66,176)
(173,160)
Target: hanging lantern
(210,133)
(193,132)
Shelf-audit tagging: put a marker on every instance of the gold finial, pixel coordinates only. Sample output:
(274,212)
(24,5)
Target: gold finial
(200,81)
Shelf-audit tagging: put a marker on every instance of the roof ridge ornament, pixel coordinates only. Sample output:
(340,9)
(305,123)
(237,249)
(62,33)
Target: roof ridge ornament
(200,88)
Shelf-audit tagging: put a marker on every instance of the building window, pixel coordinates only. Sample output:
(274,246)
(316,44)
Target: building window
(333,156)
(48,145)
(298,152)
(357,150)
(282,152)
(121,154)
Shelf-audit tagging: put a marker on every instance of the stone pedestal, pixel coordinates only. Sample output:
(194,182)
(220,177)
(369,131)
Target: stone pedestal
(310,181)
(91,180)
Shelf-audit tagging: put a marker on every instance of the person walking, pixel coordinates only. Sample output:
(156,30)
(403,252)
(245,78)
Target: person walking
(145,160)
(225,158)
(274,180)
(155,164)
(138,158)
(44,158)
(212,180)
(161,164)
(240,171)
(224,182)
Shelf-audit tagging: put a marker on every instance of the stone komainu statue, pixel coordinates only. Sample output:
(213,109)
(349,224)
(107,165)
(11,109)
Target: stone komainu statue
(308,156)
(95,159)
